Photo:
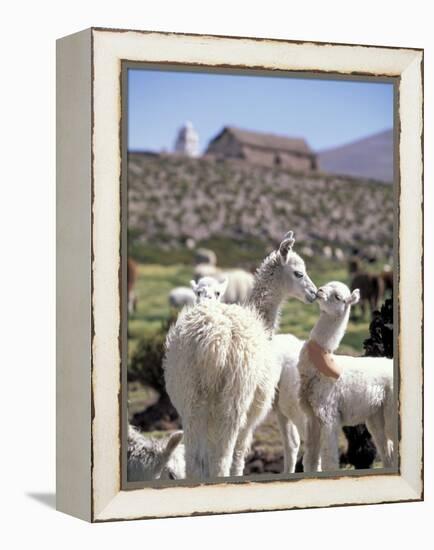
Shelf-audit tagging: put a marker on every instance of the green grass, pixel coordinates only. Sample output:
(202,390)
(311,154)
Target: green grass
(155,282)
(152,288)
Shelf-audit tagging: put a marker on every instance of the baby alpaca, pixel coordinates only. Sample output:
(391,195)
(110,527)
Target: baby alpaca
(208,288)
(338,390)
(150,458)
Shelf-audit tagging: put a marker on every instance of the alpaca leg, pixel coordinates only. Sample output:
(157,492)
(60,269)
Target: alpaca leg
(312,444)
(221,453)
(291,442)
(390,428)
(241,449)
(195,435)
(330,447)
(255,416)
(376,426)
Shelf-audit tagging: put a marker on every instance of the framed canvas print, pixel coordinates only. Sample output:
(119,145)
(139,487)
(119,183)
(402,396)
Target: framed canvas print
(239,274)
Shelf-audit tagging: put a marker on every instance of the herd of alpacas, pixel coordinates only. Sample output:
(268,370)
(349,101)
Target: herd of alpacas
(225,370)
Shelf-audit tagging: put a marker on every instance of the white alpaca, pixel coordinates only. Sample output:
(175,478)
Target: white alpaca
(205,256)
(150,458)
(239,282)
(208,288)
(206,270)
(356,390)
(221,370)
(239,287)
(181,296)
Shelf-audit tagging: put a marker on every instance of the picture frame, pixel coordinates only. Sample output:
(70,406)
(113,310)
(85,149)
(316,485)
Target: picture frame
(91,275)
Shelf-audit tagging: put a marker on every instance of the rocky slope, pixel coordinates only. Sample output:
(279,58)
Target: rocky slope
(172,198)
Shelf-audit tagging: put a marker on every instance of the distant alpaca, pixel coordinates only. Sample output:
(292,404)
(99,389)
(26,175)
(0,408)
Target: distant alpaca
(181,296)
(220,368)
(355,390)
(205,256)
(132,274)
(206,270)
(150,458)
(371,288)
(208,288)
(239,282)
(387,276)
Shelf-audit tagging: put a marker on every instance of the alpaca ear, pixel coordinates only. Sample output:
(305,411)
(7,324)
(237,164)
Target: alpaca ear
(193,285)
(173,441)
(223,286)
(285,247)
(354,298)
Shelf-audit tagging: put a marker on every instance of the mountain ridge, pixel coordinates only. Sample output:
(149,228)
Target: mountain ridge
(368,157)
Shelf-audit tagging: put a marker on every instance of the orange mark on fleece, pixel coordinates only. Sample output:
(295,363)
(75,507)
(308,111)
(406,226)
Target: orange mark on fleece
(323,360)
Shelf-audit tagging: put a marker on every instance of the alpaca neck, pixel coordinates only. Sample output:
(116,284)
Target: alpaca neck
(268,292)
(329,330)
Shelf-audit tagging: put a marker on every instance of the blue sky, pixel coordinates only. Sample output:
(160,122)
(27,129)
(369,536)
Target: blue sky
(324,112)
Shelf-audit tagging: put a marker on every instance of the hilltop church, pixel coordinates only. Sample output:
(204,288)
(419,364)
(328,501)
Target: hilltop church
(265,149)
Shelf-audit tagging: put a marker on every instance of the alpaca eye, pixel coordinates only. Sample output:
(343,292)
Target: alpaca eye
(338,298)
(217,294)
(298,274)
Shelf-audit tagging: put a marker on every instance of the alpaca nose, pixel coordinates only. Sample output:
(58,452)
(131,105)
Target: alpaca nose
(320,294)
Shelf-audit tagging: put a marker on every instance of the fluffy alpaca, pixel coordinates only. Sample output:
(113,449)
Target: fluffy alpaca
(360,392)
(150,458)
(239,282)
(221,370)
(181,296)
(208,288)
(239,286)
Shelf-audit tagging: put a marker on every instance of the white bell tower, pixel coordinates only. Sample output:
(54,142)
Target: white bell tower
(187,141)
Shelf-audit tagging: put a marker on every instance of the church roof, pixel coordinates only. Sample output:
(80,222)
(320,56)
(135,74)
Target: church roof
(268,141)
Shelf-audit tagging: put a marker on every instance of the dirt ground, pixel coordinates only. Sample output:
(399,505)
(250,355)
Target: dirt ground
(266,455)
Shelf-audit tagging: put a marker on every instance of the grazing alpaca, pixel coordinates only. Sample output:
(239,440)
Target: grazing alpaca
(181,296)
(150,458)
(209,288)
(338,390)
(239,282)
(239,286)
(221,370)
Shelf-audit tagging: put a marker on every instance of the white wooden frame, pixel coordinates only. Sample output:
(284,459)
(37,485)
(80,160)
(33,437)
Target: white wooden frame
(88,267)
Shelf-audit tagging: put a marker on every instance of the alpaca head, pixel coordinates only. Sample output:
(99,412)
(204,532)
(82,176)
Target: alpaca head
(150,458)
(208,288)
(296,281)
(336,299)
